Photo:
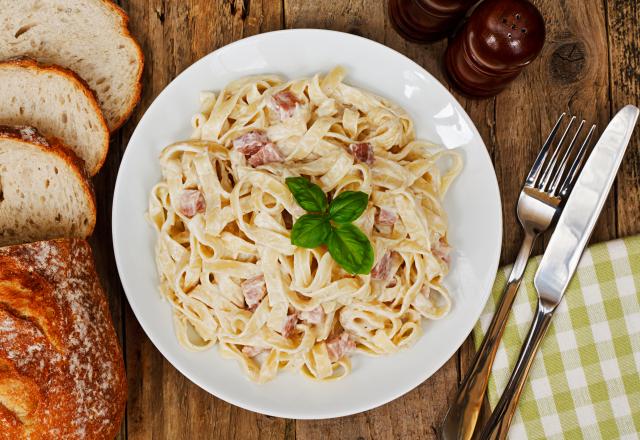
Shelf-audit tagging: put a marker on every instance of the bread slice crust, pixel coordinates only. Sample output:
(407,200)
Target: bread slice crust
(81,86)
(61,368)
(137,92)
(32,138)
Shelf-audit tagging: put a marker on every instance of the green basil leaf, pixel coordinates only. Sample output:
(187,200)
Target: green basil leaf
(307,194)
(310,231)
(348,206)
(350,248)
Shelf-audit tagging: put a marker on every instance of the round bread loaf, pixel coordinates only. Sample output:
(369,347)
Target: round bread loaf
(61,369)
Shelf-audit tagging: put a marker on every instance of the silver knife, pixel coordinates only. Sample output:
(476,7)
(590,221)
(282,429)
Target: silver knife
(563,253)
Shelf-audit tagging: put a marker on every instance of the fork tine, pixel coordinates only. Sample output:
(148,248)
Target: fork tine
(563,162)
(537,165)
(549,167)
(574,171)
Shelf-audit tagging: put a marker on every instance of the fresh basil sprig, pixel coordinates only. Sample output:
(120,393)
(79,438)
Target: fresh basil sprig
(331,224)
(308,195)
(348,206)
(310,231)
(350,248)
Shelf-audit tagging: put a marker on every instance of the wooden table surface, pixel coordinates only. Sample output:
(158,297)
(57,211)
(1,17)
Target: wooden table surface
(590,66)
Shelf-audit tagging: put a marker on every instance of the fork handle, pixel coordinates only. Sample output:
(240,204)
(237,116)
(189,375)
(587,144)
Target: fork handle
(463,414)
(497,426)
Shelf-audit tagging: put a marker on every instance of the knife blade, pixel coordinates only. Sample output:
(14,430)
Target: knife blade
(583,208)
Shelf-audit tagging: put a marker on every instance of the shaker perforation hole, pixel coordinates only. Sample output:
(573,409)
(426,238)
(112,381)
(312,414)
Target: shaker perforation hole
(523,30)
(517,16)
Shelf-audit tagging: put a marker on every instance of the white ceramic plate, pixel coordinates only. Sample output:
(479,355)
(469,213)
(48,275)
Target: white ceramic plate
(473,204)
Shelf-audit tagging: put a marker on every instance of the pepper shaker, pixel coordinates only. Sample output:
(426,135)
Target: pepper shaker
(500,38)
(424,21)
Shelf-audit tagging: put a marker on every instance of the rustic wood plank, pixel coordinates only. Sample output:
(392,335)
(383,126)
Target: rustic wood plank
(570,75)
(162,403)
(103,250)
(101,242)
(623,17)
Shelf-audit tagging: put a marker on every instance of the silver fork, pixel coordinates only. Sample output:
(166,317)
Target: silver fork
(539,205)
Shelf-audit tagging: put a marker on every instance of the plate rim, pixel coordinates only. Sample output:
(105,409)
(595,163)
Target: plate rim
(355,409)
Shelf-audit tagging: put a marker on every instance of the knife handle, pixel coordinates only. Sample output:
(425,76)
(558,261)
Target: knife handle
(460,421)
(498,425)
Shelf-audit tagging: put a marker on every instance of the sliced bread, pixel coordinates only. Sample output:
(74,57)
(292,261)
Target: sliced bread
(58,103)
(89,37)
(44,191)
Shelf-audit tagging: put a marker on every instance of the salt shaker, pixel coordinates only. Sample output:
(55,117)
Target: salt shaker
(427,20)
(500,38)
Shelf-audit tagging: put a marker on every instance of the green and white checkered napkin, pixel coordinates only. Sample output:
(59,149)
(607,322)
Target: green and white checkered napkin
(585,381)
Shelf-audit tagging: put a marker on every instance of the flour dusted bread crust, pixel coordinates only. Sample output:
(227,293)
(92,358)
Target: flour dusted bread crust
(58,103)
(44,191)
(61,369)
(89,37)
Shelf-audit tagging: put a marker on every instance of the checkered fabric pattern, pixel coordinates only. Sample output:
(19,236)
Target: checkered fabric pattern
(585,380)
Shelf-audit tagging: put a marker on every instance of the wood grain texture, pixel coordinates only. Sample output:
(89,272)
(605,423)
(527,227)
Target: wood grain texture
(623,17)
(590,67)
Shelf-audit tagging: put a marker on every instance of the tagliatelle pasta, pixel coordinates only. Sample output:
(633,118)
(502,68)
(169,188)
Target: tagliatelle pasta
(223,215)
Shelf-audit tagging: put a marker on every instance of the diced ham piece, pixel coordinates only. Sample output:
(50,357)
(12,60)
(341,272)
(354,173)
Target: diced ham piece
(392,283)
(269,153)
(284,104)
(191,202)
(257,148)
(289,325)
(339,346)
(313,316)
(382,270)
(254,289)
(363,152)
(253,351)
(384,217)
(250,143)
(442,250)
